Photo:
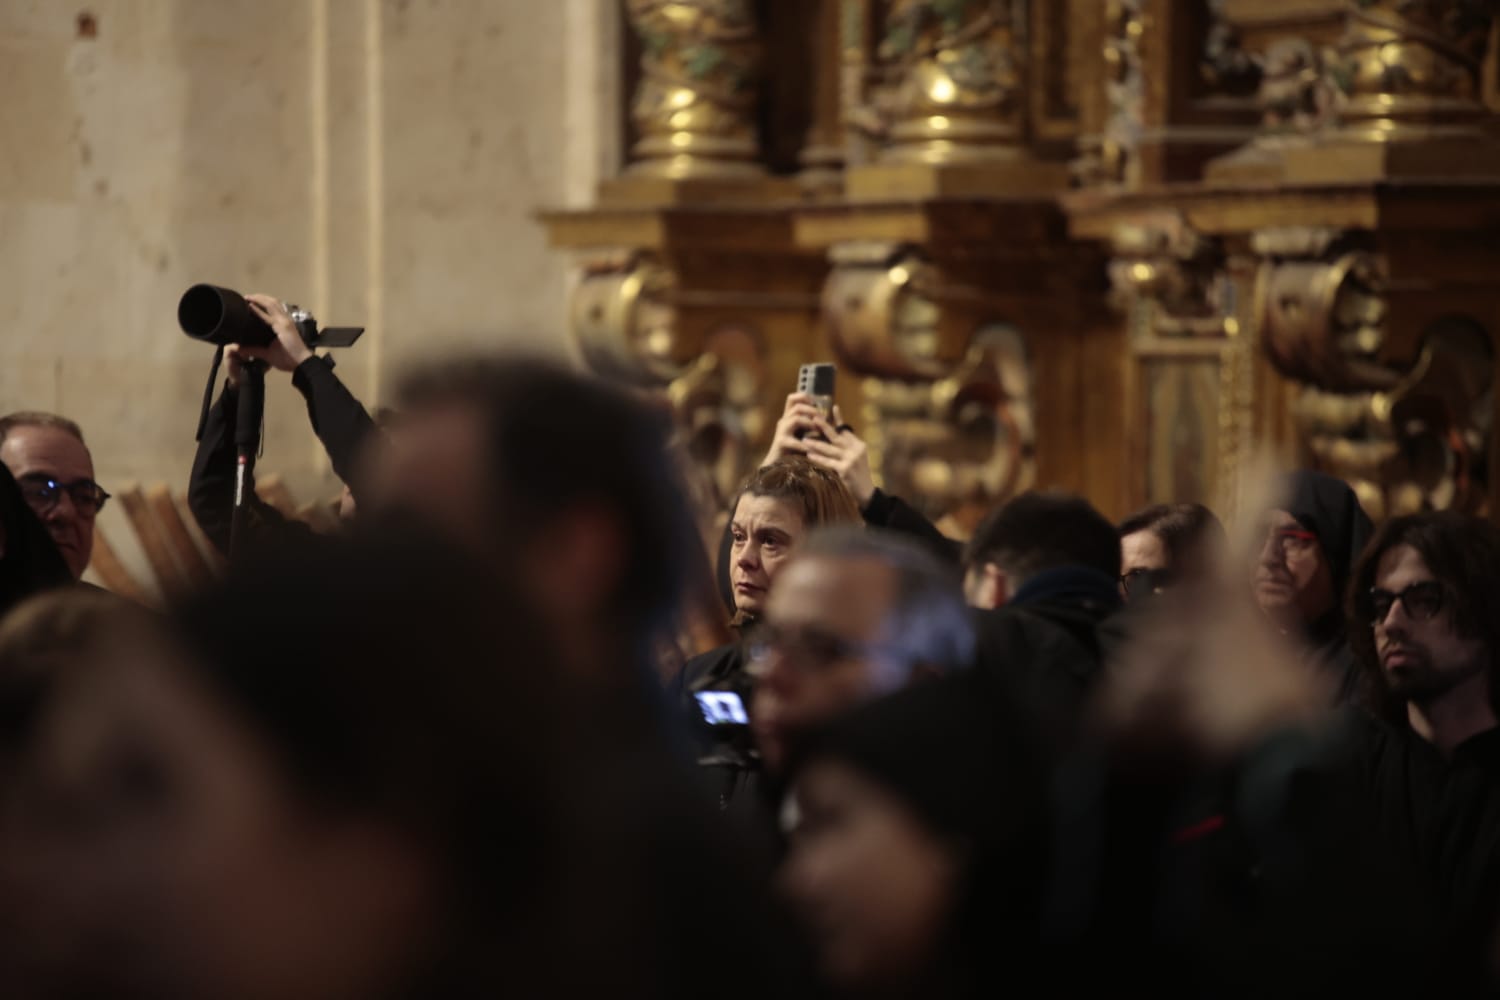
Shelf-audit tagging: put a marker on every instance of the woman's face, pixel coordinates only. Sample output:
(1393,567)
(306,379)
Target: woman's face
(145,816)
(765,532)
(874,886)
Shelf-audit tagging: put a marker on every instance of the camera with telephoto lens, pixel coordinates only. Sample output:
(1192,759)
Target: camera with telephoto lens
(220,316)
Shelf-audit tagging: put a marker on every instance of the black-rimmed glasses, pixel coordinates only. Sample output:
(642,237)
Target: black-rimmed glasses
(1420,600)
(43,494)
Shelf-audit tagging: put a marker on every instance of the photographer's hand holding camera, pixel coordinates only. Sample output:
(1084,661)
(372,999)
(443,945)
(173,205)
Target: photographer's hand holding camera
(287,352)
(339,420)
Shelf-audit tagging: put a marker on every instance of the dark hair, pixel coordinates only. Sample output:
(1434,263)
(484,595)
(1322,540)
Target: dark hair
(1463,554)
(37,418)
(557,439)
(929,621)
(393,679)
(819,495)
(1041,531)
(42,638)
(29,560)
(970,768)
(1186,530)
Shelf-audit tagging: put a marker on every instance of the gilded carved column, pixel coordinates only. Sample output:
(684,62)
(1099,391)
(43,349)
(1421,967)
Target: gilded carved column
(959,71)
(1361,90)
(1409,70)
(695,108)
(1191,380)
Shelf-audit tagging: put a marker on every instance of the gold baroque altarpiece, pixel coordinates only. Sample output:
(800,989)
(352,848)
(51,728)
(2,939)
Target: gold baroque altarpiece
(1109,246)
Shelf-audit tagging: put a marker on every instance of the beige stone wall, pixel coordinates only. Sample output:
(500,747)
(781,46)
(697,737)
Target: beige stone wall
(378,161)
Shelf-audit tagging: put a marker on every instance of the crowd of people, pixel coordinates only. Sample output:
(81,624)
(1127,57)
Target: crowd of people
(436,754)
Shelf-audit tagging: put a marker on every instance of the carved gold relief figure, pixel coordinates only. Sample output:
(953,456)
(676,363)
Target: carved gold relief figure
(695,107)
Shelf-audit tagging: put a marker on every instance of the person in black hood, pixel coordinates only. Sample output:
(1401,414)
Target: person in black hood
(916,837)
(1309,554)
(1044,571)
(29,561)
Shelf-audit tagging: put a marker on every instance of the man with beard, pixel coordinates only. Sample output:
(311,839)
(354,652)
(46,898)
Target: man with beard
(1425,592)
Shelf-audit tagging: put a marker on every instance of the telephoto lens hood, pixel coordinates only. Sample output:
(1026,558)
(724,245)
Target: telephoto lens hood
(220,316)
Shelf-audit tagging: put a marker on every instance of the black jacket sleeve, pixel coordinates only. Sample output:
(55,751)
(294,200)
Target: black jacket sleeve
(339,420)
(211,488)
(895,514)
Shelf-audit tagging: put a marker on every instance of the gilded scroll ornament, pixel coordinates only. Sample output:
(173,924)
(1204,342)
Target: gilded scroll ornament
(695,107)
(625,323)
(962,444)
(957,68)
(1322,321)
(881,315)
(1177,272)
(623,320)
(948,411)
(1406,438)
(1410,69)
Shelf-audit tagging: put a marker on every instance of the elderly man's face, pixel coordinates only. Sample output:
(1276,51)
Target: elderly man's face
(43,459)
(826,648)
(1293,581)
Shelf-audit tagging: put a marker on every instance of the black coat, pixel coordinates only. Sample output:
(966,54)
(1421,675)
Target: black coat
(1047,646)
(339,420)
(1351,861)
(29,560)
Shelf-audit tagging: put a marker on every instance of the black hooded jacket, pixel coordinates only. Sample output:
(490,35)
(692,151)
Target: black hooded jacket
(29,561)
(1047,645)
(1329,509)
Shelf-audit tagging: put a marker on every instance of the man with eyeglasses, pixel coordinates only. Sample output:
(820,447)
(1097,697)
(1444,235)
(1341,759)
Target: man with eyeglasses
(55,471)
(1424,599)
(854,615)
(1304,566)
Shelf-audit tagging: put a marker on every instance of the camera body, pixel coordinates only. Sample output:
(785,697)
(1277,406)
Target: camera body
(221,316)
(723,725)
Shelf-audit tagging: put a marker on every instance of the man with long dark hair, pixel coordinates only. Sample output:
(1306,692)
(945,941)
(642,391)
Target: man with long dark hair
(1424,599)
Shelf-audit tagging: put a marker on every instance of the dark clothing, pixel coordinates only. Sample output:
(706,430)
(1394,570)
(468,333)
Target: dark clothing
(29,560)
(1047,646)
(973,775)
(733,778)
(1329,653)
(1330,509)
(338,419)
(1345,862)
(895,514)
(714,669)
